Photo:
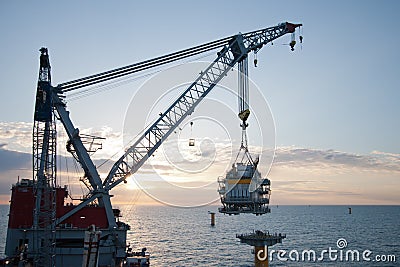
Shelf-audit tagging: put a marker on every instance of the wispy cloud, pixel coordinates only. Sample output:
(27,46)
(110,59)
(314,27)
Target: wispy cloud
(299,175)
(309,157)
(317,176)
(17,136)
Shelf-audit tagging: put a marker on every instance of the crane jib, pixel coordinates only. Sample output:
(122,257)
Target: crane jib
(158,61)
(153,137)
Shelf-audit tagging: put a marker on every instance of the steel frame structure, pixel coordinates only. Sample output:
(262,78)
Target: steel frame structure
(50,104)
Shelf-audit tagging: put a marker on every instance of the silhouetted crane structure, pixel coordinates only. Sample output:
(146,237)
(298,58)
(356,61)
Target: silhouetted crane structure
(49,219)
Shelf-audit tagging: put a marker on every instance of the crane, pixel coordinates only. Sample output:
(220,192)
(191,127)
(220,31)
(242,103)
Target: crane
(234,49)
(51,105)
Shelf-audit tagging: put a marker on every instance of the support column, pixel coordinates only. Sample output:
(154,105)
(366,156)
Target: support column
(261,241)
(212,218)
(261,256)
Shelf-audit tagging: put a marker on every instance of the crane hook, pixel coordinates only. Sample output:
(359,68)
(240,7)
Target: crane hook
(301,35)
(292,44)
(255,60)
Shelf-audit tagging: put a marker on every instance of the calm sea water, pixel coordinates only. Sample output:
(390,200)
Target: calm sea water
(184,237)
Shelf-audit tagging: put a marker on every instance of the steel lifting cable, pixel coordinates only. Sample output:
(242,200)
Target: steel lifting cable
(116,73)
(121,74)
(146,61)
(130,69)
(94,89)
(104,87)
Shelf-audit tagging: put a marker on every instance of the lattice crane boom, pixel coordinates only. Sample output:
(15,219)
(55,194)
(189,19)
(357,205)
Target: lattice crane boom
(237,50)
(44,166)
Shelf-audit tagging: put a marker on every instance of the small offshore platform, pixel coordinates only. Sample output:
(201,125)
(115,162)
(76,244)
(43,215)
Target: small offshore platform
(261,241)
(47,227)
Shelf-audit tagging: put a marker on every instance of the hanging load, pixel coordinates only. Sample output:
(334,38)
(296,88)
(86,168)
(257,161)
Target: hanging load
(243,190)
(191,140)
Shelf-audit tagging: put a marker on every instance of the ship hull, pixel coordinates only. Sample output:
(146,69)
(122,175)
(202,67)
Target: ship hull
(69,234)
(69,246)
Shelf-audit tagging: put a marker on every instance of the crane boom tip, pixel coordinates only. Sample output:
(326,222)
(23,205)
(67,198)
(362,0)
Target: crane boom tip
(292,27)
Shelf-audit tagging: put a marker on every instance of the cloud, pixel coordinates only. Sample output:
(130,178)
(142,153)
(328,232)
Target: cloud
(17,136)
(318,158)
(13,160)
(176,159)
(318,176)
(12,165)
(298,174)
(15,164)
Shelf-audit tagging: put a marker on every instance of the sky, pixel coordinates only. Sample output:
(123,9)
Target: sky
(334,100)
